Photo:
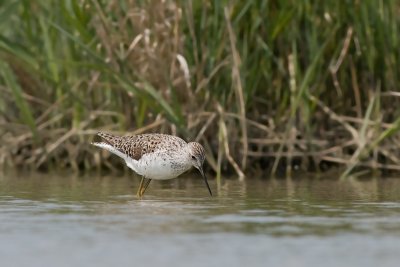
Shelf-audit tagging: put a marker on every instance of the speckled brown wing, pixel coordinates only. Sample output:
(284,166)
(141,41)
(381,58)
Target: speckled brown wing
(137,145)
(124,144)
(110,138)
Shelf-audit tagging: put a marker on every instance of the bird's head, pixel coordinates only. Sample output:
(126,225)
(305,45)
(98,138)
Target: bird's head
(197,156)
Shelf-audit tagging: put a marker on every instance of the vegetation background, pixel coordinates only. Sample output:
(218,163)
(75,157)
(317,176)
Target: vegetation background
(266,86)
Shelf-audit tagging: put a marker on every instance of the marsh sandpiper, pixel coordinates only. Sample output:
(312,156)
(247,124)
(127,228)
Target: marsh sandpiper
(155,156)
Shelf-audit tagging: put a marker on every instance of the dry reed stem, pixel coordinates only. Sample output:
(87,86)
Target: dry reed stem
(209,155)
(290,126)
(50,109)
(334,69)
(323,152)
(276,141)
(356,89)
(185,69)
(204,82)
(205,127)
(369,122)
(237,84)
(362,141)
(363,164)
(220,149)
(225,142)
(292,129)
(250,122)
(389,155)
(52,146)
(334,116)
(391,93)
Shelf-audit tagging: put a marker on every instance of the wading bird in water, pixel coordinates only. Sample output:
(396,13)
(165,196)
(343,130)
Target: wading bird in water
(155,156)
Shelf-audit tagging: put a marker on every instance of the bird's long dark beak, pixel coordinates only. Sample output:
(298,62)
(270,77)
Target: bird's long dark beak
(205,179)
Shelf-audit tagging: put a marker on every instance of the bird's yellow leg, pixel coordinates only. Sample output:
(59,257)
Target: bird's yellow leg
(138,194)
(145,187)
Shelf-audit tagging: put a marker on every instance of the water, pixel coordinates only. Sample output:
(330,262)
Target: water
(97,221)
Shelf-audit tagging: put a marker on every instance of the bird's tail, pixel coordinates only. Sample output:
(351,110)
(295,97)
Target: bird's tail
(110,148)
(109,138)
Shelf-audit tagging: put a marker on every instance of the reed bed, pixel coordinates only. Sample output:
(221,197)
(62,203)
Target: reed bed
(266,86)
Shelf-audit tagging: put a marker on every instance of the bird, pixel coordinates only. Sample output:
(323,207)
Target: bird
(155,156)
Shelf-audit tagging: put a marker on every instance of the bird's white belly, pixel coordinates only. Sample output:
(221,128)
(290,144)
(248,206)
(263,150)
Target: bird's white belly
(157,168)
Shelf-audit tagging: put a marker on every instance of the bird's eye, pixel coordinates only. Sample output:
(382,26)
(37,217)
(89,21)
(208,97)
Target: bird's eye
(193,157)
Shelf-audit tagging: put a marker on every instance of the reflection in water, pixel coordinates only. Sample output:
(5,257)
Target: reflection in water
(97,221)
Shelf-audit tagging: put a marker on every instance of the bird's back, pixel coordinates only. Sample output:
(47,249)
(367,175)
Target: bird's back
(135,146)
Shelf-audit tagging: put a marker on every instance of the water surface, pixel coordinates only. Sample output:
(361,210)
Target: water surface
(48,220)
